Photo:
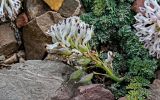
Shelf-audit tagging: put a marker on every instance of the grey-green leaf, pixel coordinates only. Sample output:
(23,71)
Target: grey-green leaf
(86,79)
(77,75)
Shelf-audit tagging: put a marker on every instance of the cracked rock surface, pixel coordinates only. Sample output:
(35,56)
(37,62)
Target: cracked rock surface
(32,80)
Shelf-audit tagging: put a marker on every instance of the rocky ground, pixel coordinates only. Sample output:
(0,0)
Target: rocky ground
(25,75)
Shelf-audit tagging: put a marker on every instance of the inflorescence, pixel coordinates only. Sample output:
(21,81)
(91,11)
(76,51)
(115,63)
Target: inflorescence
(9,9)
(148,26)
(71,37)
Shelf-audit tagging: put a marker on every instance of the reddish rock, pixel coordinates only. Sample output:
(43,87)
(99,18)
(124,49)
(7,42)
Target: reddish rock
(21,20)
(137,4)
(93,92)
(8,43)
(34,34)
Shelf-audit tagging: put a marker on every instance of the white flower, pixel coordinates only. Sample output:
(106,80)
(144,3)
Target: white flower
(109,60)
(9,9)
(148,26)
(70,33)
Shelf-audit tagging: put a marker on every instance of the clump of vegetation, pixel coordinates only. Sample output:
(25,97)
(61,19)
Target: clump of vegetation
(113,29)
(70,39)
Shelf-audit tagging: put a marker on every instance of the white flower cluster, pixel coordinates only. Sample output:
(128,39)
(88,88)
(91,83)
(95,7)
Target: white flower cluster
(10,9)
(148,26)
(71,34)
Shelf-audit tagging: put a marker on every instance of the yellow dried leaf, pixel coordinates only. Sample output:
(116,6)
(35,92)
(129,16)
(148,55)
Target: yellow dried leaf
(54,4)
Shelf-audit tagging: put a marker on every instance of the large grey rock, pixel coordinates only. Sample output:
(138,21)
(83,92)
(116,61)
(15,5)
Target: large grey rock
(34,34)
(32,80)
(8,42)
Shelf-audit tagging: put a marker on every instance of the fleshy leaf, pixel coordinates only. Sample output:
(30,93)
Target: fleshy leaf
(86,79)
(77,75)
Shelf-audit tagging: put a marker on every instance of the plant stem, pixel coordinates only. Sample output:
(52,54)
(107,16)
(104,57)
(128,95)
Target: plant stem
(108,71)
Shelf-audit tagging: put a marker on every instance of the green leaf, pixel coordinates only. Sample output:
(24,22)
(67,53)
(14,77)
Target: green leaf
(86,79)
(77,75)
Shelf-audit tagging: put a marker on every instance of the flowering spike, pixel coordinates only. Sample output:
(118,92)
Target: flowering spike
(72,33)
(9,9)
(70,39)
(148,26)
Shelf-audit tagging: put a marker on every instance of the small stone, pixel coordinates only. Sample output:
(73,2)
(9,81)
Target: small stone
(2,58)
(70,8)
(155,90)
(21,20)
(35,37)
(12,59)
(54,4)
(21,53)
(137,4)
(93,92)
(21,60)
(8,42)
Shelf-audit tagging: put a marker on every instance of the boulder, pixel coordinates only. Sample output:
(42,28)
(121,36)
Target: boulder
(70,8)
(8,42)
(93,92)
(35,8)
(34,34)
(155,90)
(33,80)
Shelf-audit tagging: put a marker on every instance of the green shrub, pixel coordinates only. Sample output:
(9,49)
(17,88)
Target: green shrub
(113,27)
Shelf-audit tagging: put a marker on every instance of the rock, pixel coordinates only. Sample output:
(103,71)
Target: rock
(93,92)
(34,34)
(8,43)
(54,4)
(12,59)
(21,54)
(33,80)
(158,74)
(137,4)
(2,58)
(21,20)
(64,93)
(35,8)
(155,90)
(70,8)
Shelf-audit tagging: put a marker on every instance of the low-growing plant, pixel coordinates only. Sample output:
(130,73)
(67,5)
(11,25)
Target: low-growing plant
(113,28)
